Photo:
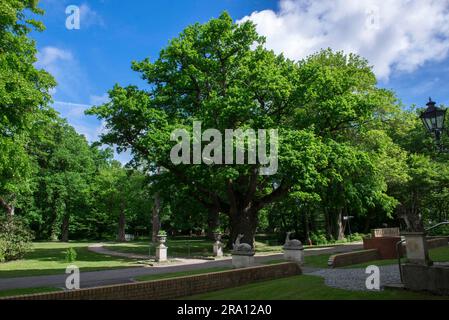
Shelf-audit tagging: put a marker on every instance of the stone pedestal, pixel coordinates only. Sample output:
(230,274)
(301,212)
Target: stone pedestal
(293,250)
(218,249)
(161,249)
(295,255)
(242,260)
(161,253)
(416,246)
(434,279)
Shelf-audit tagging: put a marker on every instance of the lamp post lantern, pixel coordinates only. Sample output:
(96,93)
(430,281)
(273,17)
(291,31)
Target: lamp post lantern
(433,120)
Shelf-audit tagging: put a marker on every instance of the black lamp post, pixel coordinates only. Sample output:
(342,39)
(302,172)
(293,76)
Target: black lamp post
(433,120)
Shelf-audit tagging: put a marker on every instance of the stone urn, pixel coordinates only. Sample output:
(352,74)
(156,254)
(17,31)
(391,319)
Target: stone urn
(217,236)
(161,249)
(161,238)
(218,245)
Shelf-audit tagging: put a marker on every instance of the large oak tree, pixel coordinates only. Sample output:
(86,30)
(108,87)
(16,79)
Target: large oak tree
(219,73)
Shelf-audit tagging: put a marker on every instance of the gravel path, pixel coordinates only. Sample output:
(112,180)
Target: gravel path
(354,279)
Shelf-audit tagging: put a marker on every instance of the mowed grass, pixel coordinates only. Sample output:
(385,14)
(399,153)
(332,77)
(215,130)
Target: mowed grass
(176,248)
(180,274)
(47,258)
(184,248)
(19,292)
(305,287)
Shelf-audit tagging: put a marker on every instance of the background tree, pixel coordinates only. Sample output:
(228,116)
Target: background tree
(24,92)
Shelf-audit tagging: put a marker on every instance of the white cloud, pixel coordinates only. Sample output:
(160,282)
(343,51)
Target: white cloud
(61,63)
(71,110)
(51,58)
(89,17)
(394,35)
(99,100)
(49,55)
(83,124)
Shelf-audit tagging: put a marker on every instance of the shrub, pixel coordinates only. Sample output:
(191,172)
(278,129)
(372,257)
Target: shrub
(318,238)
(442,230)
(2,250)
(15,238)
(356,237)
(70,255)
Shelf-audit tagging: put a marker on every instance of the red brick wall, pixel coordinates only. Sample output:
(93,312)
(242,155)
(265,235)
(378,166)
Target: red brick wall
(385,245)
(346,259)
(174,288)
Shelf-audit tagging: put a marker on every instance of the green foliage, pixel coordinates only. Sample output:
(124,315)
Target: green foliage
(346,146)
(15,238)
(2,250)
(24,96)
(356,237)
(162,233)
(70,255)
(318,238)
(220,74)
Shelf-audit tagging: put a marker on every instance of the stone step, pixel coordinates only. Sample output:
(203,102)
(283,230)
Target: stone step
(394,286)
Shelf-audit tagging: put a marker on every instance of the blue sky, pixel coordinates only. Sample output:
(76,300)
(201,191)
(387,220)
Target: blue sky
(406,41)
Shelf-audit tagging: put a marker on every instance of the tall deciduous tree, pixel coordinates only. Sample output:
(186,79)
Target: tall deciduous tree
(24,92)
(220,74)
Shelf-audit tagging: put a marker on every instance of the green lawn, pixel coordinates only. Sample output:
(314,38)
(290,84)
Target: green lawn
(316,261)
(184,247)
(305,287)
(18,292)
(49,258)
(176,248)
(180,274)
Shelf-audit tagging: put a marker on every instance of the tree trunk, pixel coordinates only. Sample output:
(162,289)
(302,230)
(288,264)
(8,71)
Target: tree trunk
(212,223)
(307,229)
(155,219)
(339,230)
(243,222)
(65,228)
(8,207)
(121,226)
(328,224)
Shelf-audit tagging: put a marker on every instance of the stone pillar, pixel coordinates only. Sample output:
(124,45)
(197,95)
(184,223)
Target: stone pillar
(161,249)
(218,246)
(294,254)
(293,250)
(242,259)
(416,246)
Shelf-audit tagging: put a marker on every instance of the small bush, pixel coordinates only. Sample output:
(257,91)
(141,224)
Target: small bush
(15,238)
(356,237)
(442,230)
(70,255)
(2,250)
(318,238)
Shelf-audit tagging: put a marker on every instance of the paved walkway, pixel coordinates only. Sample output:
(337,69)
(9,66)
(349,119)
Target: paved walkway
(126,275)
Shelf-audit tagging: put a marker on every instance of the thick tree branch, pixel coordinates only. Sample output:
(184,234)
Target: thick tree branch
(279,192)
